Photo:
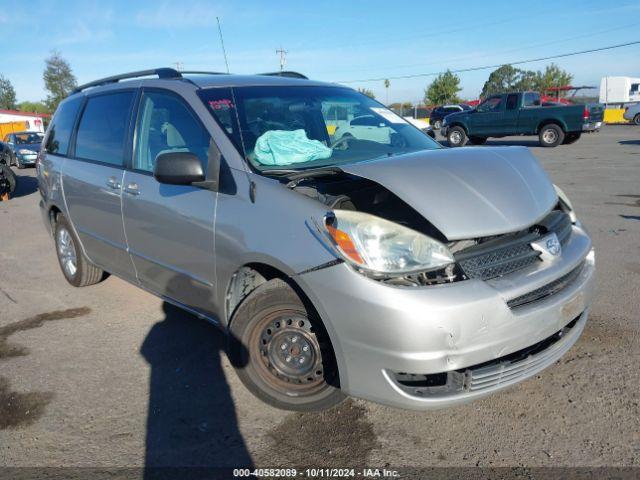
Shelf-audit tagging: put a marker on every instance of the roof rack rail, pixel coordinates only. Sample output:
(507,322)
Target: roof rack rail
(160,72)
(286,73)
(200,72)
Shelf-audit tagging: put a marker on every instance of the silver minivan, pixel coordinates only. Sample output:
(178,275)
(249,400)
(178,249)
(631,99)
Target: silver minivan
(379,265)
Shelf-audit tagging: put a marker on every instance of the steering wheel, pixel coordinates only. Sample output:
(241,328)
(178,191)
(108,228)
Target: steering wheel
(343,140)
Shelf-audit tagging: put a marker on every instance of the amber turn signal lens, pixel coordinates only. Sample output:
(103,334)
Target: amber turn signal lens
(343,241)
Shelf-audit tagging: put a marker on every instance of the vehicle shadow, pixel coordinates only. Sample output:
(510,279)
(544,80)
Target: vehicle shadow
(505,143)
(26,185)
(629,142)
(192,429)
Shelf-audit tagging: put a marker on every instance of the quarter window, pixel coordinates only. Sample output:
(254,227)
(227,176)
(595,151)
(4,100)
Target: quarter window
(512,101)
(103,128)
(59,132)
(166,125)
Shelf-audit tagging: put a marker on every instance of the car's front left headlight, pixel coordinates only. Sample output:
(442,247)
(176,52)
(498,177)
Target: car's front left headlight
(381,247)
(24,151)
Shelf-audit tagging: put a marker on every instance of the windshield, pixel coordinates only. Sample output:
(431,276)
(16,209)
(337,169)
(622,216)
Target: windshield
(297,128)
(28,138)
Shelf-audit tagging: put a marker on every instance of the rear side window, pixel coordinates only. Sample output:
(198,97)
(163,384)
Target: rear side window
(103,128)
(60,130)
(512,101)
(531,99)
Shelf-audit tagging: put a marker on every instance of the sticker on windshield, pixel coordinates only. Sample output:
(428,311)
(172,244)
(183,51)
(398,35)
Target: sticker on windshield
(388,115)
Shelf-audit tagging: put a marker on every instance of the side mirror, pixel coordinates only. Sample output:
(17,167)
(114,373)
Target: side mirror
(178,168)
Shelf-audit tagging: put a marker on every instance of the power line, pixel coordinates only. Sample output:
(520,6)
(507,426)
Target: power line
(486,67)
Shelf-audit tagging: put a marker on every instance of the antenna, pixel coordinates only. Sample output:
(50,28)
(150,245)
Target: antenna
(283,57)
(224,52)
(178,65)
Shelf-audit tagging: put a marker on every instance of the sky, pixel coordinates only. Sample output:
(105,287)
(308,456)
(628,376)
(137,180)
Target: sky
(336,41)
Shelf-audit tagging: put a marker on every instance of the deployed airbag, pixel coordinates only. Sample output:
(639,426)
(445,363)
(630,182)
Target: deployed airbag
(284,147)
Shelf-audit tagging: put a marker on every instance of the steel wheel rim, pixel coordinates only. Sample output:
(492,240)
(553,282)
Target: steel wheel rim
(455,137)
(550,136)
(288,353)
(67,252)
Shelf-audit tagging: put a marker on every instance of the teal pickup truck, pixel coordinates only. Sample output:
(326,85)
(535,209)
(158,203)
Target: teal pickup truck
(521,113)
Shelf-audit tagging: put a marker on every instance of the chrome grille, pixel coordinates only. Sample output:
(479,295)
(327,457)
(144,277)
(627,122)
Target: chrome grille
(498,256)
(547,290)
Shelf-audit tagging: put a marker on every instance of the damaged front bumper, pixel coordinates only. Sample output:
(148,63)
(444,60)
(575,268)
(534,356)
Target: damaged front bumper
(437,346)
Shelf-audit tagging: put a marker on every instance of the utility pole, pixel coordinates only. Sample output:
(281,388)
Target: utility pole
(179,65)
(283,58)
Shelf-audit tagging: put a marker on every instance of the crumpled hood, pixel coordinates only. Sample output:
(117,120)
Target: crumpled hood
(467,192)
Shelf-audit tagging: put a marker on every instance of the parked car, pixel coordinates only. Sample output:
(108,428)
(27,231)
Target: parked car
(24,147)
(632,113)
(398,271)
(422,125)
(522,114)
(439,113)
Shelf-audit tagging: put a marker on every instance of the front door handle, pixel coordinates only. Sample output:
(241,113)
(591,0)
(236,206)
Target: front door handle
(113,183)
(132,189)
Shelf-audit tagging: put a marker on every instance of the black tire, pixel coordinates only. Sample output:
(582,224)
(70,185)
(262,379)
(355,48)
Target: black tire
(551,135)
(572,137)
(478,140)
(85,273)
(19,165)
(271,335)
(8,179)
(457,137)
(636,119)
(437,125)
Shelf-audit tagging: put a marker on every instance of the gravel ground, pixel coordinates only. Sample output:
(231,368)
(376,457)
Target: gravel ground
(109,376)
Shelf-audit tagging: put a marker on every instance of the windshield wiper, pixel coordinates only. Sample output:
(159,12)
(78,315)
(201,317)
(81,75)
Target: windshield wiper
(296,176)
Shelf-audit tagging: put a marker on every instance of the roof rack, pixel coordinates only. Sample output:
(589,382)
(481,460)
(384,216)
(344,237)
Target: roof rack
(286,73)
(160,72)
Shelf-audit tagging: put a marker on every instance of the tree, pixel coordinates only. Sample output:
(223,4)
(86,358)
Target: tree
(367,92)
(7,94)
(553,76)
(33,107)
(509,79)
(443,89)
(59,80)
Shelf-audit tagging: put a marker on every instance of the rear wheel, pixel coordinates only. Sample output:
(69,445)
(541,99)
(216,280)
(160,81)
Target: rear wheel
(281,351)
(457,137)
(478,140)
(8,180)
(572,137)
(75,267)
(551,135)
(636,119)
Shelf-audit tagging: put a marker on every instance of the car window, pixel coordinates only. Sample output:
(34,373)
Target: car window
(492,104)
(512,101)
(59,133)
(531,99)
(28,138)
(103,128)
(304,127)
(166,125)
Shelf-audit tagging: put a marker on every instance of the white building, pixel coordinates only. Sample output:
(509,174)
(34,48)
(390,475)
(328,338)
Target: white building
(34,121)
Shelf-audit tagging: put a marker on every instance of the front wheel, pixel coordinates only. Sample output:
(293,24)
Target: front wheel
(457,137)
(437,125)
(281,352)
(76,268)
(636,119)
(551,135)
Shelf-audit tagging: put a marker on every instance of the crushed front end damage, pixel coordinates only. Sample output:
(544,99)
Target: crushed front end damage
(516,301)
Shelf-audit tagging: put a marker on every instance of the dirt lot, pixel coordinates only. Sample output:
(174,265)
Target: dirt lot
(110,376)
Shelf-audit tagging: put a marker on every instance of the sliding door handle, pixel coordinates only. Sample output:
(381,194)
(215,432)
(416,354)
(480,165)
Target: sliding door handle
(132,189)
(113,183)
